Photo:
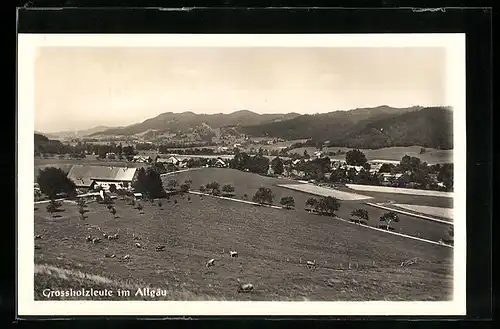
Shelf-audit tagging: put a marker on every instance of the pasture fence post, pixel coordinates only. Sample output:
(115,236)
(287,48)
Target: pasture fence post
(349,265)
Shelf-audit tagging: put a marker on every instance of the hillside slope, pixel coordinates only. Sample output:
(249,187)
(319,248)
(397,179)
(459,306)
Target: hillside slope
(368,128)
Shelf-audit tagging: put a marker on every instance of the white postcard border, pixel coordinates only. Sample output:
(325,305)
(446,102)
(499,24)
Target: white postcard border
(455,96)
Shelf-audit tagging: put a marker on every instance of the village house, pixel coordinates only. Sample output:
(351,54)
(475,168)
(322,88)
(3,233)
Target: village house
(89,177)
(110,156)
(388,177)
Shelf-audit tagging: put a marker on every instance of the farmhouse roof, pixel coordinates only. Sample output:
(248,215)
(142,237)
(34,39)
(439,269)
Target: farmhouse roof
(384,161)
(83,175)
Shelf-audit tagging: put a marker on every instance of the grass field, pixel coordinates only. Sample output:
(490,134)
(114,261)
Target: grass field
(272,245)
(323,191)
(248,183)
(399,190)
(428,210)
(431,156)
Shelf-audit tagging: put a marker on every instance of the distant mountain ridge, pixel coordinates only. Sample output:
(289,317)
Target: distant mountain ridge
(76,133)
(376,127)
(186,122)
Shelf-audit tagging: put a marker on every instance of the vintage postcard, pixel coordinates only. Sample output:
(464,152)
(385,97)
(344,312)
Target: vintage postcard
(241,174)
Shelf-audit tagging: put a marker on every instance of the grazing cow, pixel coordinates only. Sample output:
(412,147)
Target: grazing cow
(126,257)
(233,253)
(112,237)
(38,236)
(244,287)
(105,235)
(37,247)
(89,238)
(310,264)
(210,263)
(160,248)
(138,245)
(109,255)
(96,240)
(409,262)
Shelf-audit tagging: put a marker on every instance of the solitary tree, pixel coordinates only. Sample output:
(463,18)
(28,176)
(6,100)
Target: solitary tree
(388,218)
(184,188)
(139,183)
(202,189)
(172,184)
(113,212)
(213,187)
(228,190)
(288,202)
(311,204)
(277,166)
(81,202)
(263,195)
(328,205)
(386,167)
(245,196)
(139,207)
(81,211)
(53,181)
(360,215)
(51,208)
(355,158)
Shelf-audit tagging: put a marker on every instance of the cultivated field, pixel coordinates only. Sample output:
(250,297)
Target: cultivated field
(272,245)
(248,183)
(398,190)
(431,156)
(323,191)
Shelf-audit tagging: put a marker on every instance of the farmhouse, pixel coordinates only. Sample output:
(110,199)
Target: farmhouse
(170,160)
(111,156)
(90,176)
(219,163)
(141,158)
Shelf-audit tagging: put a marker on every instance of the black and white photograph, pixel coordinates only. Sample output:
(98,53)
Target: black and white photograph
(306,174)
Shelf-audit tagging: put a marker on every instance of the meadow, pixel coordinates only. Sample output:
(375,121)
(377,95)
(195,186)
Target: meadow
(248,183)
(399,190)
(354,263)
(447,213)
(431,156)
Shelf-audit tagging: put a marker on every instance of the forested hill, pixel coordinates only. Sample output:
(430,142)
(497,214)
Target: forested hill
(368,128)
(46,145)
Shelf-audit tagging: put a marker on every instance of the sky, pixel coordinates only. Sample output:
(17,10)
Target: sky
(83,87)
